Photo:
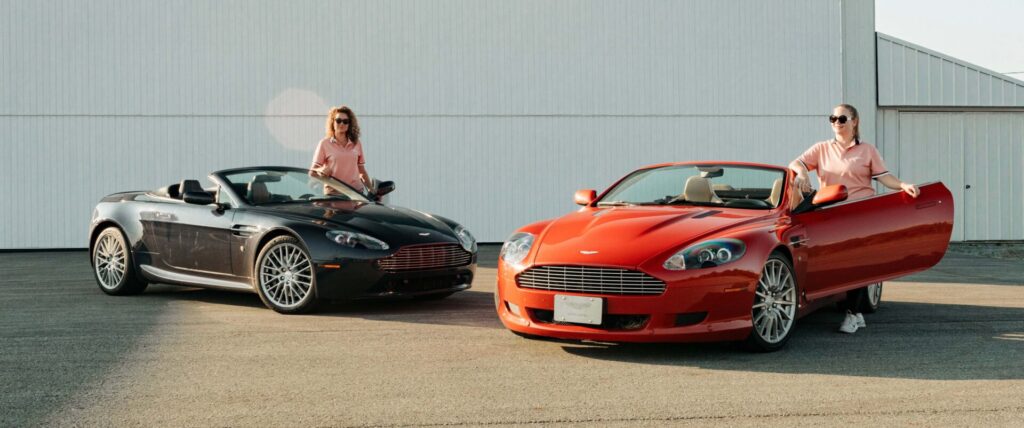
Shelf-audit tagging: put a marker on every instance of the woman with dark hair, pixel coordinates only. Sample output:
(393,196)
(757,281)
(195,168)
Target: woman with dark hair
(340,153)
(847,160)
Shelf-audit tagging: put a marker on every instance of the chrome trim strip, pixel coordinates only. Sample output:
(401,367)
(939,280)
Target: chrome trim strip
(588,279)
(161,275)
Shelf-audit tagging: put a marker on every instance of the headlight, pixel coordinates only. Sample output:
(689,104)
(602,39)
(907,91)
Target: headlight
(516,247)
(353,239)
(707,254)
(466,239)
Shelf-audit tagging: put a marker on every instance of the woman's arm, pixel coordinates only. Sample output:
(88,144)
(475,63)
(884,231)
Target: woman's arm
(890,181)
(803,176)
(365,178)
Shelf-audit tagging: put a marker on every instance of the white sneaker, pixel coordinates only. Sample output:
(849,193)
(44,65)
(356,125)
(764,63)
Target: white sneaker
(849,325)
(860,320)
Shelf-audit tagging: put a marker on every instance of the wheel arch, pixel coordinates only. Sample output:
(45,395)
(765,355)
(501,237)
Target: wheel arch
(98,228)
(269,236)
(784,250)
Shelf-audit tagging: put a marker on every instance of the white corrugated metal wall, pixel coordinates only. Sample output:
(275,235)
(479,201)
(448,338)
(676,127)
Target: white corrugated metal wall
(942,119)
(490,113)
(978,155)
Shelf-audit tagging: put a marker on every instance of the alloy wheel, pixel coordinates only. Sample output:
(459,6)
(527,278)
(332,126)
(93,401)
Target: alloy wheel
(774,307)
(285,275)
(874,294)
(110,261)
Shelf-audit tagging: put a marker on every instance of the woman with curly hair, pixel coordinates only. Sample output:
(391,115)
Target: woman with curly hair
(339,154)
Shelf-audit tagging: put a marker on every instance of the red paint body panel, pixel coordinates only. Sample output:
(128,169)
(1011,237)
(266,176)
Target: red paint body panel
(838,248)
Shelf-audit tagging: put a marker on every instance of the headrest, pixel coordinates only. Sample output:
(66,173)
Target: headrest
(257,192)
(190,186)
(168,191)
(697,189)
(776,194)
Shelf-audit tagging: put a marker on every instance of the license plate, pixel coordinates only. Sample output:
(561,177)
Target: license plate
(578,309)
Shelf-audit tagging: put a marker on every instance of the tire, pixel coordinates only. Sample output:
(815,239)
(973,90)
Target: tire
(866,299)
(284,276)
(112,264)
(773,312)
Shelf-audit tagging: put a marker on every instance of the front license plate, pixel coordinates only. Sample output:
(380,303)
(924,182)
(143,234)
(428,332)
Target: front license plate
(578,309)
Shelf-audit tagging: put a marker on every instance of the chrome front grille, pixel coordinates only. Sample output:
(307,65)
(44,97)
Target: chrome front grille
(423,257)
(592,280)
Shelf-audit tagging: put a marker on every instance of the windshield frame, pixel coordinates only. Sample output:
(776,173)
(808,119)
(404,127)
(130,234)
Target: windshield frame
(220,177)
(727,165)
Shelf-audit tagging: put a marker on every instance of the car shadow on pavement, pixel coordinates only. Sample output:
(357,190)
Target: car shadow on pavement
(220,297)
(902,340)
(468,308)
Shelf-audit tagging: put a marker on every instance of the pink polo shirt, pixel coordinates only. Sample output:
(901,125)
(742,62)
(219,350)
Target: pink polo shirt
(853,167)
(342,161)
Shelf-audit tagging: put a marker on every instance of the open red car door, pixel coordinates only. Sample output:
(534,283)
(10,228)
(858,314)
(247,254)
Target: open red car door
(859,242)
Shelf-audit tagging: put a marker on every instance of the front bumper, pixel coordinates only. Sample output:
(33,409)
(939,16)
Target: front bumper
(711,305)
(360,279)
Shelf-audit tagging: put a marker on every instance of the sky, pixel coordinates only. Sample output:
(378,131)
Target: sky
(988,33)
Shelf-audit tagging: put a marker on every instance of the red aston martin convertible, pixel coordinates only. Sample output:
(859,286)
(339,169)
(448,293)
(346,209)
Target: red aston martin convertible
(712,251)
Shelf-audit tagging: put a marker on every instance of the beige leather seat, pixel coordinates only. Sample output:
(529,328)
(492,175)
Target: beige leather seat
(698,189)
(776,195)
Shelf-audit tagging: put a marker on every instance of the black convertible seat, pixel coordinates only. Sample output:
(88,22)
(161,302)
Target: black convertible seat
(190,186)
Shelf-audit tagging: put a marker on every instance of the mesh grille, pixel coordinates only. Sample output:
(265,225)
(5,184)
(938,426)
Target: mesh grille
(592,280)
(422,257)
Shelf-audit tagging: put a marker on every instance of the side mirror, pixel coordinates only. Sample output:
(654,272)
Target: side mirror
(385,187)
(584,197)
(829,195)
(197,198)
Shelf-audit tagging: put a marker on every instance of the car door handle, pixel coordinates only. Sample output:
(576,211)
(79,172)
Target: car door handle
(929,204)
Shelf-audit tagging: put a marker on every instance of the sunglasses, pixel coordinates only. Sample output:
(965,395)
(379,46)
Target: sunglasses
(841,119)
(346,121)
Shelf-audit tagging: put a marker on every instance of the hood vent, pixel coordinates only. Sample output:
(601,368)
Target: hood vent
(708,213)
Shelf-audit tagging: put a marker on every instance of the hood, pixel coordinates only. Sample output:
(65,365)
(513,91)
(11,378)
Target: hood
(392,224)
(629,236)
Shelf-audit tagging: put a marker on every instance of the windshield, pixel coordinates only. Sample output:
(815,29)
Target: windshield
(704,185)
(261,187)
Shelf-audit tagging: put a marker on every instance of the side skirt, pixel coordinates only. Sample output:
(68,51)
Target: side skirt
(163,276)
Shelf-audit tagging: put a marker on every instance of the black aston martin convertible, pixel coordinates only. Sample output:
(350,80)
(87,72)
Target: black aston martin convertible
(292,238)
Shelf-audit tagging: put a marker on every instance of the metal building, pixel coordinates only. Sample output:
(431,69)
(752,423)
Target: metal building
(491,113)
(940,118)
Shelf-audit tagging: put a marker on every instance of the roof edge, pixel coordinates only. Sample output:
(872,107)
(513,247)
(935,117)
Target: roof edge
(950,58)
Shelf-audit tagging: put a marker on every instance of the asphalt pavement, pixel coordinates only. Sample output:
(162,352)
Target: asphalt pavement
(946,348)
